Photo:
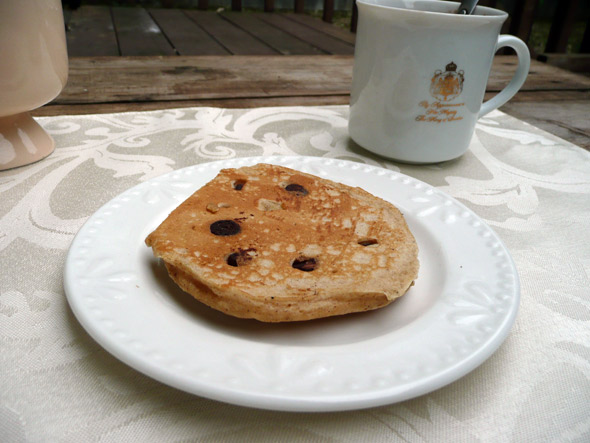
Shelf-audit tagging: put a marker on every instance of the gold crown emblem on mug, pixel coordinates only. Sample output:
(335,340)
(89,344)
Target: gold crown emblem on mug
(447,85)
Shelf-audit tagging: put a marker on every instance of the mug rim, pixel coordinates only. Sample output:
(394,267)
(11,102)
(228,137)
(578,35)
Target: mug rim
(493,13)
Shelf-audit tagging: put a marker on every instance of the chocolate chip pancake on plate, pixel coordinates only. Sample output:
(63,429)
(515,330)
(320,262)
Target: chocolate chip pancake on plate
(275,244)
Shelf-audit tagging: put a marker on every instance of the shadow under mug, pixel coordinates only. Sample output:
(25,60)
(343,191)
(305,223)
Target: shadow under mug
(420,74)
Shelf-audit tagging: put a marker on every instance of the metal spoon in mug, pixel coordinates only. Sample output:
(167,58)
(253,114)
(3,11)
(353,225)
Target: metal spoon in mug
(467,6)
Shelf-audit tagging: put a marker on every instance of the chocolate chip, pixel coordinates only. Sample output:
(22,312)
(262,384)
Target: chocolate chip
(241,257)
(296,189)
(232,259)
(239,184)
(305,264)
(224,227)
(368,242)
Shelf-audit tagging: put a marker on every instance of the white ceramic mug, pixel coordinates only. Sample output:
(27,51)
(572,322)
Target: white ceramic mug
(420,74)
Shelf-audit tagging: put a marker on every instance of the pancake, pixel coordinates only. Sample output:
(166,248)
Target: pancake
(275,244)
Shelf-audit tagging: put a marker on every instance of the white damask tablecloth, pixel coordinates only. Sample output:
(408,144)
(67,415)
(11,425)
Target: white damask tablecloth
(57,384)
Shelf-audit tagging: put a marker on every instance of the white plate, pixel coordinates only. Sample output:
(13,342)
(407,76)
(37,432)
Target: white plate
(459,311)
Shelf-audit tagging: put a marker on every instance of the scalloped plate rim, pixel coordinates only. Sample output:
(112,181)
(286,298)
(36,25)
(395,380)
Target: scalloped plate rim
(317,402)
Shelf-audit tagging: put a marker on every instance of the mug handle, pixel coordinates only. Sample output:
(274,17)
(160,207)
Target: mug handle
(524,63)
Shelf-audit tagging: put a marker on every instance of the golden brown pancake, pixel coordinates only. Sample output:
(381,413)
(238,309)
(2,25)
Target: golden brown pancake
(274,244)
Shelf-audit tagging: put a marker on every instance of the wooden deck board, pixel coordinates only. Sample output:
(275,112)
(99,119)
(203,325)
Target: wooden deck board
(234,39)
(138,34)
(132,31)
(91,32)
(184,34)
(541,77)
(325,42)
(67,16)
(182,78)
(144,79)
(322,26)
(277,39)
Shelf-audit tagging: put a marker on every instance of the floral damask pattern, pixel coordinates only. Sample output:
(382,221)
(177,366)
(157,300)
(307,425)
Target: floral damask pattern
(57,384)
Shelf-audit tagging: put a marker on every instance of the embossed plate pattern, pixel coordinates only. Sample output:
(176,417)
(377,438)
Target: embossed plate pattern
(459,311)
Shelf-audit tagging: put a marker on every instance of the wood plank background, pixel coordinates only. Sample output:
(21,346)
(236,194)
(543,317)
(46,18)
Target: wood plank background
(127,31)
(186,78)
